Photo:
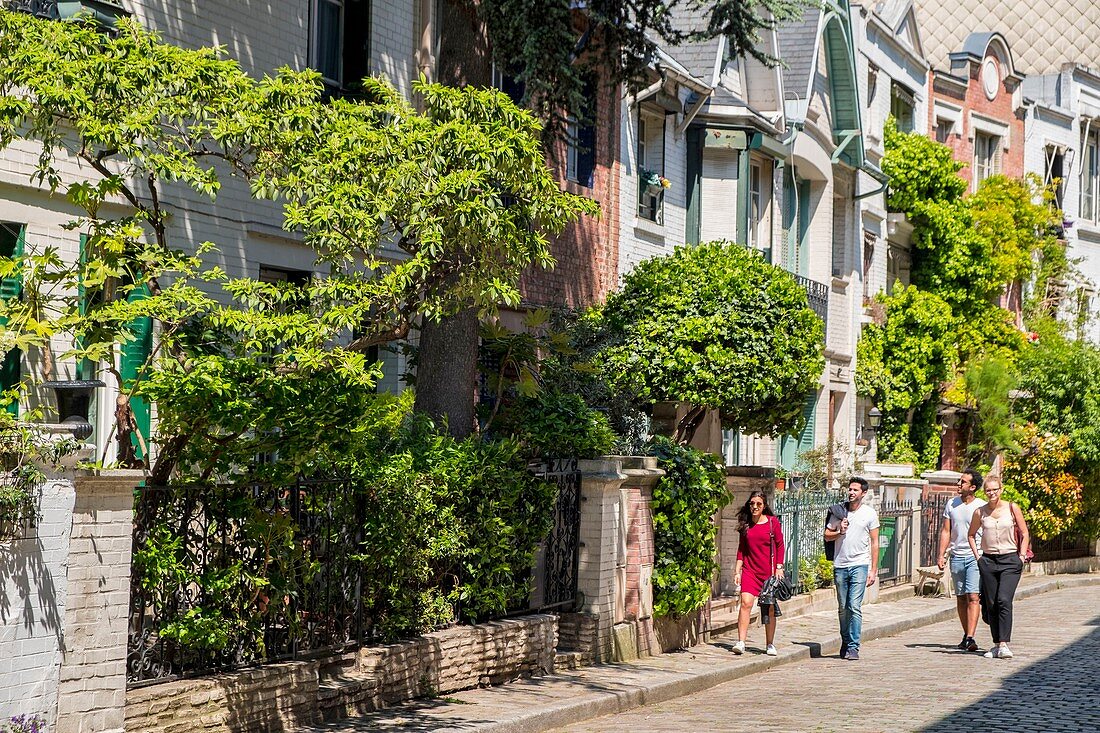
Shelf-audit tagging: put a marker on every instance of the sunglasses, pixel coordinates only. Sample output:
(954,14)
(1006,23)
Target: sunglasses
(756,503)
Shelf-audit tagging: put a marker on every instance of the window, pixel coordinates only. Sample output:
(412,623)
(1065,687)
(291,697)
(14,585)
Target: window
(1054,172)
(943,130)
(341,43)
(651,166)
(898,266)
(298,278)
(509,84)
(987,157)
(1090,177)
(902,103)
(580,157)
(760,207)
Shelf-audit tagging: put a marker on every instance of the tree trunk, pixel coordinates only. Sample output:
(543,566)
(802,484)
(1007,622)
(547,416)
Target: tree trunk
(446,372)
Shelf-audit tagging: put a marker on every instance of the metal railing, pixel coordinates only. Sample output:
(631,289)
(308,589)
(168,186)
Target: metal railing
(802,515)
(1060,547)
(230,576)
(818,296)
(558,583)
(931,521)
(895,542)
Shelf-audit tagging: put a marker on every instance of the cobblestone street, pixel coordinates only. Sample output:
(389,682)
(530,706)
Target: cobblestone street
(915,681)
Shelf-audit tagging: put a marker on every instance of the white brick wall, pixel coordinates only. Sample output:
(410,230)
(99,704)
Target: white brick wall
(640,239)
(32,608)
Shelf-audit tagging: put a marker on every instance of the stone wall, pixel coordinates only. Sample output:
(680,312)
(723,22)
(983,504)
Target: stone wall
(462,657)
(276,697)
(282,697)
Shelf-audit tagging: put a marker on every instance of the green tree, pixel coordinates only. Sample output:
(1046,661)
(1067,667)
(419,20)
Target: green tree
(718,327)
(460,188)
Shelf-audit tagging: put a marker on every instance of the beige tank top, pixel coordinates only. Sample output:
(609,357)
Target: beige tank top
(998,534)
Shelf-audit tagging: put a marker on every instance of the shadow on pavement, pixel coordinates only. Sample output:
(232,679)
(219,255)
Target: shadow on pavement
(1056,693)
(938,648)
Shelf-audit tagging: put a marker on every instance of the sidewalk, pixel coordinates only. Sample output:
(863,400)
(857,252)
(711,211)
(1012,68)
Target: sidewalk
(544,703)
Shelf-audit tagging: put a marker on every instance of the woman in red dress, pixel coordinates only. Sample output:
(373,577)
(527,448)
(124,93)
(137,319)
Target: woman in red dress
(759,555)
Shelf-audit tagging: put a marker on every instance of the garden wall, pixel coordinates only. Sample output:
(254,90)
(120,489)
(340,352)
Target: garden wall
(32,607)
(283,696)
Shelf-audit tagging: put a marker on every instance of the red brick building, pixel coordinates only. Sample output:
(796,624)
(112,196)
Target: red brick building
(587,252)
(976,107)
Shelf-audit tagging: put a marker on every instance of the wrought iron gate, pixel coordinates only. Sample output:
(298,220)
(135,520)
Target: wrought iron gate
(560,578)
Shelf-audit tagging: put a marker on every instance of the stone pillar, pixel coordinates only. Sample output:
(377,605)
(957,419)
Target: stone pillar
(599,556)
(642,475)
(92,686)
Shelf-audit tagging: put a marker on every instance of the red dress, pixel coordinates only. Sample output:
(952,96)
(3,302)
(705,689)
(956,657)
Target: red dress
(755,552)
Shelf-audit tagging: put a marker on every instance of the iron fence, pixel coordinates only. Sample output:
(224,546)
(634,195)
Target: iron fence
(802,515)
(931,522)
(230,576)
(817,294)
(1060,547)
(559,577)
(895,542)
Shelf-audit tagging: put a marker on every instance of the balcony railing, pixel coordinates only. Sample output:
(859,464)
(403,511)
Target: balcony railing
(102,11)
(818,295)
(40,8)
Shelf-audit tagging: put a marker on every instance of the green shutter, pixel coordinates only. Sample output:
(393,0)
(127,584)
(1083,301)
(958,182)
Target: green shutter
(790,222)
(792,445)
(803,229)
(693,225)
(133,355)
(12,242)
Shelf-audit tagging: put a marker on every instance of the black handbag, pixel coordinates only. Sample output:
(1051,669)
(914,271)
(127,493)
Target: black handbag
(778,589)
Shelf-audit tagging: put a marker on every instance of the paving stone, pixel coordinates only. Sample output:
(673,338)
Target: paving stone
(909,680)
(914,682)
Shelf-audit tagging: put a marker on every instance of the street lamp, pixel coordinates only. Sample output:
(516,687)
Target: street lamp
(874,418)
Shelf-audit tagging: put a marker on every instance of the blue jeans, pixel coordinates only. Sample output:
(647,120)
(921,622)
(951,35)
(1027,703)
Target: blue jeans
(851,583)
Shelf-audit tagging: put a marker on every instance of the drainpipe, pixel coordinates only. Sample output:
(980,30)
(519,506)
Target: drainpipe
(875,172)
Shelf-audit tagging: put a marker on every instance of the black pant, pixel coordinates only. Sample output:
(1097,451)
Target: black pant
(1000,575)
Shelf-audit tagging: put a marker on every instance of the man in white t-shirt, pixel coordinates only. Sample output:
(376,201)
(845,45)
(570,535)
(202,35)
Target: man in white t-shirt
(964,566)
(855,564)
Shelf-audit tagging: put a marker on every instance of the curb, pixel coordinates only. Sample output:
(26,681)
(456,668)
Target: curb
(612,702)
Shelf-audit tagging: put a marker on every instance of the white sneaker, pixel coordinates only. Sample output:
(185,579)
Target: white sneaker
(1006,653)
(994,653)
(739,648)
(770,651)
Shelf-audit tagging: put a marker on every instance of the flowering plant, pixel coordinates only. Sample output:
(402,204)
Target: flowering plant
(653,179)
(26,724)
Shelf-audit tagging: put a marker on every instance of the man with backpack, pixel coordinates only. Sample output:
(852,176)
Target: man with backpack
(854,535)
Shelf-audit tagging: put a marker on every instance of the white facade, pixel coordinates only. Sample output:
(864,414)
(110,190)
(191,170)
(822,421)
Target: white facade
(1062,143)
(892,71)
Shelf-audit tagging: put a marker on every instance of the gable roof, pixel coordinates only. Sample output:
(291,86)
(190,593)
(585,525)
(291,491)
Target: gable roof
(798,41)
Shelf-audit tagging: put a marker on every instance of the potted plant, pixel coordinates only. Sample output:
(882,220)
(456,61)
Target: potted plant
(653,182)
(780,478)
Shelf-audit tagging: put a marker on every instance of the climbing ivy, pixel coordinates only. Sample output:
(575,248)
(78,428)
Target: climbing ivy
(967,252)
(684,504)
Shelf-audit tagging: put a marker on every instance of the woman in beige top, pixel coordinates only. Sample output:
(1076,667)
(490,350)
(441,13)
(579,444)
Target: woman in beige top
(1001,563)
